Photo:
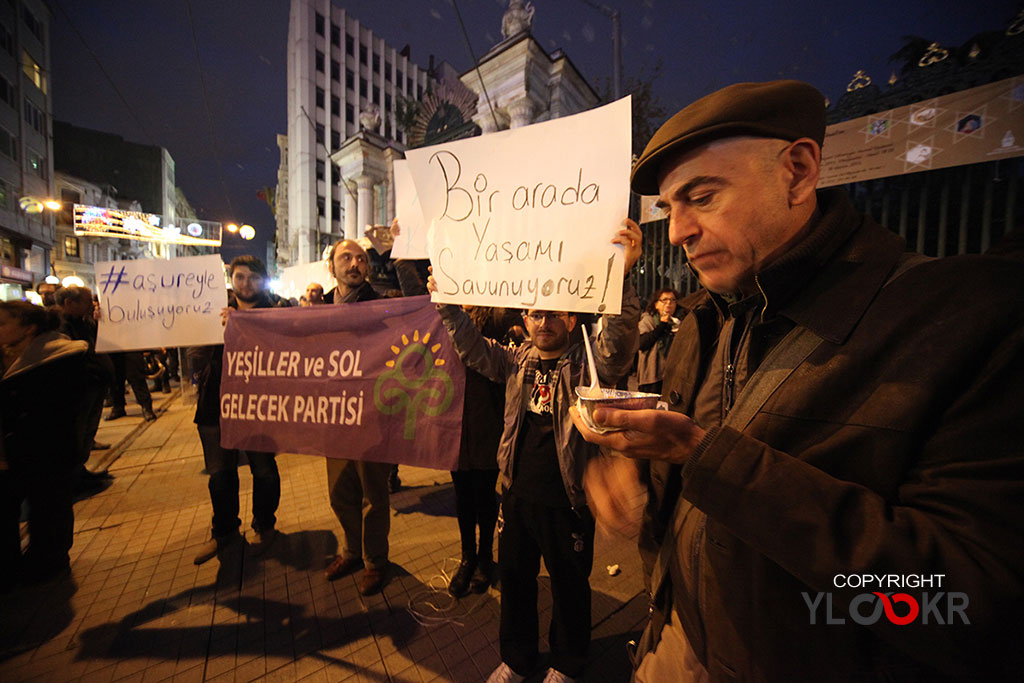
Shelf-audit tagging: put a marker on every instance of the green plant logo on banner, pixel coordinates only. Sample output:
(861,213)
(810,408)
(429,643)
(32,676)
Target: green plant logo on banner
(416,383)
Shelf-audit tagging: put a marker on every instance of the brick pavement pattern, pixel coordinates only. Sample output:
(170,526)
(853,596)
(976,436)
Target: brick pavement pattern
(137,609)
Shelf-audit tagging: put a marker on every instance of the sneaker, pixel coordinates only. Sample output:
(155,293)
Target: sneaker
(505,674)
(214,547)
(555,676)
(261,541)
(115,414)
(97,446)
(148,415)
(460,583)
(342,566)
(372,581)
(482,577)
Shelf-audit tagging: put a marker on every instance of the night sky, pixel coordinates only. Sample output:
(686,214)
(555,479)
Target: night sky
(130,66)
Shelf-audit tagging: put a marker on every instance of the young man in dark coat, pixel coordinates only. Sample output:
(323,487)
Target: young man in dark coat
(249,281)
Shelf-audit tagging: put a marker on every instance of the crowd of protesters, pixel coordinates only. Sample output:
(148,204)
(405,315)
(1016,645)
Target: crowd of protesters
(830,406)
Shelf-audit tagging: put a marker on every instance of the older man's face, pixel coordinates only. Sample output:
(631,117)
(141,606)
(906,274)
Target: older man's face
(314,293)
(727,204)
(351,264)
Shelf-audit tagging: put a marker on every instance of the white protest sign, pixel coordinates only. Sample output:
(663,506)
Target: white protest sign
(524,218)
(412,240)
(148,303)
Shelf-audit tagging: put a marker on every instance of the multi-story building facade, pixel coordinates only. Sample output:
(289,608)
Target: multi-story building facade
(26,146)
(339,72)
(75,255)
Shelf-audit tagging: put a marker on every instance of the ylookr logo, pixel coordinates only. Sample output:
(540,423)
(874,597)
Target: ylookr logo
(901,609)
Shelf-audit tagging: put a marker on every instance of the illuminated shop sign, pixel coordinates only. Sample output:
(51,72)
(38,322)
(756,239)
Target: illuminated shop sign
(97,221)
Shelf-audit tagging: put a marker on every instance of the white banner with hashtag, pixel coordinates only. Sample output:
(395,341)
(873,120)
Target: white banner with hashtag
(153,303)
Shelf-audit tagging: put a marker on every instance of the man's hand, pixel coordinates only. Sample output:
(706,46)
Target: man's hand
(431,282)
(614,493)
(395,229)
(631,238)
(646,434)
(224,313)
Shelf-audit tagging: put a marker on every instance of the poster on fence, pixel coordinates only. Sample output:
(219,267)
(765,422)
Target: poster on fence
(377,380)
(149,303)
(524,218)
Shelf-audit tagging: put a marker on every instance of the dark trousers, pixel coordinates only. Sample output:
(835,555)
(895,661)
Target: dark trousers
(130,366)
(476,505)
(565,539)
(93,405)
(46,486)
(222,466)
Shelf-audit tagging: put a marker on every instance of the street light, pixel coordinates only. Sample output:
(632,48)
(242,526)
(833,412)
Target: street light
(246,232)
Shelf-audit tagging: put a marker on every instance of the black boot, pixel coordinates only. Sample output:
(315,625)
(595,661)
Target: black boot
(459,585)
(482,577)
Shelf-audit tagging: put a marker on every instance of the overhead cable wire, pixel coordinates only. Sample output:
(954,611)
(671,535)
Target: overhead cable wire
(476,65)
(209,115)
(145,131)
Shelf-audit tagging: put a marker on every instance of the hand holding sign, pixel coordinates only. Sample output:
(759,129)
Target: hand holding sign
(517,217)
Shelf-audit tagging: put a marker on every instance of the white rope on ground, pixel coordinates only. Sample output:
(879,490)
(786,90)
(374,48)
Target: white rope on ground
(435,606)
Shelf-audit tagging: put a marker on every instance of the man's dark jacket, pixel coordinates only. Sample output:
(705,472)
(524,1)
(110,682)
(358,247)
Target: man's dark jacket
(896,447)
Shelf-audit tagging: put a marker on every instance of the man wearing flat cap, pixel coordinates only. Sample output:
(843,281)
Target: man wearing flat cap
(837,488)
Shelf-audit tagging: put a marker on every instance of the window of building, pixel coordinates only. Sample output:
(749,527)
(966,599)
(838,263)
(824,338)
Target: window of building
(350,113)
(350,79)
(387,71)
(336,174)
(350,45)
(8,144)
(319,61)
(320,169)
(5,194)
(6,40)
(419,92)
(376,63)
(387,128)
(33,70)
(335,139)
(335,106)
(362,87)
(335,35)
(335,210)
(362,54)
(319,24)
(37,163)
(68,199)
(6,91)
(320,205)
(320,133)
(387,103)
(71,247)
(335,70)
(34,117)
(34,25)
(376,95)
(320,97)
(408,85)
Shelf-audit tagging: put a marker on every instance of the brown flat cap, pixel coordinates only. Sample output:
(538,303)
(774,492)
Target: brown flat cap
(787,110)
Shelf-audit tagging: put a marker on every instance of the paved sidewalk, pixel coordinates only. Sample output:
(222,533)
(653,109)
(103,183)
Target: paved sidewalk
(137,609)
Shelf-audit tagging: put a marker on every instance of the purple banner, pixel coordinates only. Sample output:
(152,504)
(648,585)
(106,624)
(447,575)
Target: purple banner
(377,380)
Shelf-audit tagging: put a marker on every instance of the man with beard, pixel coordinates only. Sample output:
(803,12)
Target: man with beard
(541,458)
(358,490)
(249,283)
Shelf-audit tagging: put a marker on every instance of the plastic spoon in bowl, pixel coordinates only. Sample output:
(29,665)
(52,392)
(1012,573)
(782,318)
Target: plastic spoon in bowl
(595,386)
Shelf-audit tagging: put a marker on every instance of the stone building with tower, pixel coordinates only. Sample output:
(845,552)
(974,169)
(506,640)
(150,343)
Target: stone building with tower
(384,104)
